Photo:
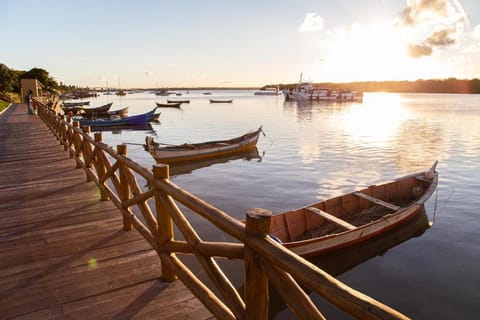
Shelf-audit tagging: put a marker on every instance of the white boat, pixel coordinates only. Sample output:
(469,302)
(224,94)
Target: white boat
(268,91)
(305,91)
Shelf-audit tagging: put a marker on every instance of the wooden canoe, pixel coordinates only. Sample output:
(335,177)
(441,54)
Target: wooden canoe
(169,105)
(80,109)
(200,151)
(178,101)
(135,120)
(354,217)
(122,113)
(221,100)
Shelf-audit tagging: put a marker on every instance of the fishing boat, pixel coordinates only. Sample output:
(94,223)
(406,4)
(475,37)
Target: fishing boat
(122,113)
(307,92)
(169,105)
(221,100)
(355,217)
(76,104)
(99,109)
(268,91)
(134,120)
(199,151)
(178,101)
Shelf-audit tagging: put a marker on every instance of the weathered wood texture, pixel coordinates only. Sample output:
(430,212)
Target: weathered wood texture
(63,251)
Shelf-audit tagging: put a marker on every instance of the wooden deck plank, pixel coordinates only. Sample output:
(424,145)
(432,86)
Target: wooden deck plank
(63,253)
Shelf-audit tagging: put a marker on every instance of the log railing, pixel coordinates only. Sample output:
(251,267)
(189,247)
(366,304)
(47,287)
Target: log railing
(157,211)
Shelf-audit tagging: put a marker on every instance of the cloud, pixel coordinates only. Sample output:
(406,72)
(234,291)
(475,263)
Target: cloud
(419,50)
(442,37)
(312,22)
(419,11)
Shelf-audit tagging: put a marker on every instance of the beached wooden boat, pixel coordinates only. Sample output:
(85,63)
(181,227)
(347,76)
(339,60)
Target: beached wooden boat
(221,100)
(200,151)
(178,101)
(169,105)
(135,120)
(354,217)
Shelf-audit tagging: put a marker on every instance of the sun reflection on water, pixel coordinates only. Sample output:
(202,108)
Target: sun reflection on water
(376,121)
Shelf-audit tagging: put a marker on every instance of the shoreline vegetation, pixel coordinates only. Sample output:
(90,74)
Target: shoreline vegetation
(10,85)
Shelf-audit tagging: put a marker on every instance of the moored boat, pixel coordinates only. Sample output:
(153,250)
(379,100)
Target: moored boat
(138,119)
(221,100)
(268,91)
(122,113)
(307,92)
(200,151)
(178,101)
(169,105)
(352,218)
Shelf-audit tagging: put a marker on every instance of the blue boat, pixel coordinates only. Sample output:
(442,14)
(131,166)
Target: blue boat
(135,120)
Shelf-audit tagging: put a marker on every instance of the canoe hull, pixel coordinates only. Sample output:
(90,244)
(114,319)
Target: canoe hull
(368,213)
(195,152)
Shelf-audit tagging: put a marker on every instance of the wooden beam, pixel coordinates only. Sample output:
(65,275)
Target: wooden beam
(332,218)
(377,201)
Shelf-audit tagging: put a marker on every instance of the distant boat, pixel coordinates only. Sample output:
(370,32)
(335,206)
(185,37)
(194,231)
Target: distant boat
(221,100)
(139,119)
(122,113)
(355,217)
(169,105)
(199,151)
(207,93)
(178,101)
(305,91)
(162,93)
(268,91)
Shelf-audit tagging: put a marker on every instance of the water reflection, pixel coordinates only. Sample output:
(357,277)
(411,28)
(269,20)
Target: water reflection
(185,168)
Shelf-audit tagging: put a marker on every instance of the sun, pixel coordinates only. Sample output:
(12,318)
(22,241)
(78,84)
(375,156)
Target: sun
(359,53)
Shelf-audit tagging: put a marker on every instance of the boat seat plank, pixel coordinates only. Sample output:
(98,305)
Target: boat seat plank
(422,179)
(332,218)
(377,201)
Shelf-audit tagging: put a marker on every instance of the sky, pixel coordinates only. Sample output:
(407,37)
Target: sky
(193,43)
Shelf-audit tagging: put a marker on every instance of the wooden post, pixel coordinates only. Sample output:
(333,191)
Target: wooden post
(86,152)
(164,221)
(100,166)
(124,191)
(256,281)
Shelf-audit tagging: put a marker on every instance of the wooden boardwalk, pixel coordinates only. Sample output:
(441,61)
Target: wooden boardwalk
(63,254)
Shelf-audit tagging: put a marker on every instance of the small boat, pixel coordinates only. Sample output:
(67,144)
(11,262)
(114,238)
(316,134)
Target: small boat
(355,217)
(103,108)
(199,151)
(207,93)
(135,120)
(169,105)
(76,104)
(221,100)
(80,109)
(268,91)
(122,113)
(178,101)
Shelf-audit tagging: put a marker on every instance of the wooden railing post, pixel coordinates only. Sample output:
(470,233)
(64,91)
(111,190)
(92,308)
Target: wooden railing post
(164,221)
(124,191)
(256,281)
(87,150)
(100,167)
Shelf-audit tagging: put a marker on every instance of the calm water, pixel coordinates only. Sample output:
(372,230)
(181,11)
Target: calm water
(317,150)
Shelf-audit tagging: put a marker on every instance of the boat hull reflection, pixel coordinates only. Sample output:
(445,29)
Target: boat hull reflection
(188,167)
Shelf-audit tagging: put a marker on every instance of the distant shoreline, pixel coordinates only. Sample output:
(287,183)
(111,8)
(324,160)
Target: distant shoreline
(451,85)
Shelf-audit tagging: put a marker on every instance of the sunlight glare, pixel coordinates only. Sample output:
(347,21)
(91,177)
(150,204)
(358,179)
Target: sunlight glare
(376,121)
(361,52)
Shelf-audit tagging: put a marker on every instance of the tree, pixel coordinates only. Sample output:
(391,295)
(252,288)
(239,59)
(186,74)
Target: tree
(8,79)
(42,76)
